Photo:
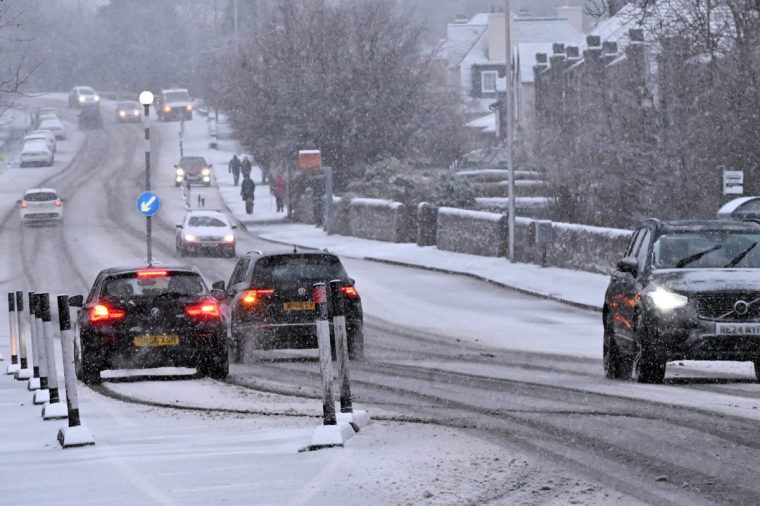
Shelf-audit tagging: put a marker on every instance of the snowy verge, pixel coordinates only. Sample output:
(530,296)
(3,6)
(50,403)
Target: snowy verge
(328,436)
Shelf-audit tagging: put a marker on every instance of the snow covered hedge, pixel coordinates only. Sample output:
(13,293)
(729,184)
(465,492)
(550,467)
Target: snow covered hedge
(474,232)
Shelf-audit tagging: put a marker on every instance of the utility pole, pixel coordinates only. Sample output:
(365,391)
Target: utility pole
(235,24)
(508,97)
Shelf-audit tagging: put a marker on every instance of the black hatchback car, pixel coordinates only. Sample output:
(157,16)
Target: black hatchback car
(151,317)
(270,298)
(685,290)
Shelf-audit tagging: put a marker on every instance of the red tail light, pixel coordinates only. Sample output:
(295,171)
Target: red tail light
(100,313)
(57,203)
(146,274)
(24,204)
(252,297)
(206,309)
(349,291)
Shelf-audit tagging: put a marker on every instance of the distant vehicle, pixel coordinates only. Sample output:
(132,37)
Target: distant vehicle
(44,111)
(205,231)
(128,110)
(41,205)
(685,290)
(46,115)
(55,126)
(271,301)
(81,96)
(89,118)
(174,103)
(138,317)
(193,169)
(45,135)
(36,152)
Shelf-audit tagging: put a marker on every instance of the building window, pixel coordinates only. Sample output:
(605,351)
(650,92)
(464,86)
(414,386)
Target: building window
(488,81)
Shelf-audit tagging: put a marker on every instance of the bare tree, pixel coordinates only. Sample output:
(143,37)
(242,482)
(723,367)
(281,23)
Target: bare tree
(350,78)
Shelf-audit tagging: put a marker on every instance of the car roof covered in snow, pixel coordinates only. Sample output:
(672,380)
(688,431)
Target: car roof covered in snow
(40,190)
(206,212)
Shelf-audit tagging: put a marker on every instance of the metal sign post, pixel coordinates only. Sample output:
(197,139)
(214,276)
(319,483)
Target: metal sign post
(148,204)
(146,98)
(328,199)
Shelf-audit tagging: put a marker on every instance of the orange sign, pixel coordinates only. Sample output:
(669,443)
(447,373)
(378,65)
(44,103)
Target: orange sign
(309,159)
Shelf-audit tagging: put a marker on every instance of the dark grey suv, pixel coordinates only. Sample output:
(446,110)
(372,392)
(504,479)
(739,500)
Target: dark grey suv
(685,290)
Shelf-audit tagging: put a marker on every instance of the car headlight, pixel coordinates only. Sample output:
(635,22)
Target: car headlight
(665,300)
(97,98)
(189,237)
(205,171)
(81,99)
(122,113)
(229,238)
(180,172)
(167,109)
(135,112)
(190,107)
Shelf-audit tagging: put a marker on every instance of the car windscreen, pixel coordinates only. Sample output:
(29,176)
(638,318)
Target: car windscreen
(40,196)
(86,91)
(707,250)
(133,284)
(177,96)
(193,163)
(127,105)
(51,124)
(287,269)
(205,221)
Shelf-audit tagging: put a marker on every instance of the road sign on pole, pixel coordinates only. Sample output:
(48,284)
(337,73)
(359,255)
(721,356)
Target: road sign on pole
(148,203)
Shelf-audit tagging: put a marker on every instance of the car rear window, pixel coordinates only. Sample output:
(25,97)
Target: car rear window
(129,285)
(272,270)
(40,196)
(206,221)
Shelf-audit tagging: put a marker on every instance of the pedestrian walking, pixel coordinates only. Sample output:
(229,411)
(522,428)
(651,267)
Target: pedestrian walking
(279,189)
(248,193)
(234,168)
(245,167)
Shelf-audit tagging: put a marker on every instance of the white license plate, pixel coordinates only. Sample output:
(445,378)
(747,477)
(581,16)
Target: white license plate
(737,329)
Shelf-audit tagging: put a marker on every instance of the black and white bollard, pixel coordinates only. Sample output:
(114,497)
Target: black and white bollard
(76,434)
(54,409)
(357,418)
(332,432)
(35,382)
(24,373)
(13,334)
(42,395)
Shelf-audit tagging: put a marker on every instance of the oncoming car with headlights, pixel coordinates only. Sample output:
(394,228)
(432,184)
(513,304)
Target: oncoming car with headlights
(205,231)
(151,317)
(128,110)
(193,170)
(685,290)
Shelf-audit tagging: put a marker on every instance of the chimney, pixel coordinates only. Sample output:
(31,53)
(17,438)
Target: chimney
(573,15)
(572,52)
(558,48)
(593,41)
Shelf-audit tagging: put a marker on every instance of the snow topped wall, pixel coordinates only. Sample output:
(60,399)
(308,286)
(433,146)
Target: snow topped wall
(474,232)
(378,219)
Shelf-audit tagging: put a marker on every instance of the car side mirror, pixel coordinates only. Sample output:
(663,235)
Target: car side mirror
(18,202)
(218,285)
(76,301)
(179,226)
(233,226)
(211,165)
(219,294)
(352,281)
(176,166)
(629,265)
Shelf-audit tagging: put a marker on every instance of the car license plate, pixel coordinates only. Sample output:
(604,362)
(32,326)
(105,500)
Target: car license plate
(306,305)
(162,340)
(737,329)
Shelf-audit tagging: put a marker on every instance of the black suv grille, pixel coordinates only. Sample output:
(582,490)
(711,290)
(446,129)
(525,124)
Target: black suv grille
(721,306)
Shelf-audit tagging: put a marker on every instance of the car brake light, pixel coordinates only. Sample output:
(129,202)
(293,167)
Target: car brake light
(57,203)
(148,274)
(24,204)
(100,313)
(204,309)
(252,297)
(349,291)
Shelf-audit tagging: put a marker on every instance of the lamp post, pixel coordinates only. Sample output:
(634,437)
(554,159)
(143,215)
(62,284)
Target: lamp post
(509,97)
(146,98)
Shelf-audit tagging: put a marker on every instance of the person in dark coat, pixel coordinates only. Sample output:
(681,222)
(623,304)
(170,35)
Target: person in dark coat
(246,167)
(248,191)
(234,167)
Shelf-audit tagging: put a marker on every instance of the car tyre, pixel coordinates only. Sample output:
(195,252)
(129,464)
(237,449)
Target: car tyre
(757,370)
(616,366)
(88,373)
(217,368)
(650,367)
(356,344)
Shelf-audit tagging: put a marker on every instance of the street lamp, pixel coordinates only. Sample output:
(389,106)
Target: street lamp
(509,99)
(146,98)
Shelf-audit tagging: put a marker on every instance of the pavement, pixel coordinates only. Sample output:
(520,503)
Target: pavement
(576,288)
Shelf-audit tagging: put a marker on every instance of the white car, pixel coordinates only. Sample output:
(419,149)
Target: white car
(44,135)
(41,205)
(36,152)
(81,96)
(205,231)
(55,126)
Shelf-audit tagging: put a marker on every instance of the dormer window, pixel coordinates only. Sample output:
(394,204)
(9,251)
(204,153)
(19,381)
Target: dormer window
(488,81)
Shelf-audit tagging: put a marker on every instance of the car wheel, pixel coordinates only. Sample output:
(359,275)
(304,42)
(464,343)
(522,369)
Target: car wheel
(356,344)
(231,252)
(650,368)
(217,368)
(616,366)
(88,372)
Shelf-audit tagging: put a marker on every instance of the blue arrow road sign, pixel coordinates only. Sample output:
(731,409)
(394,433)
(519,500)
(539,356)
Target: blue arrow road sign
(148,203)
